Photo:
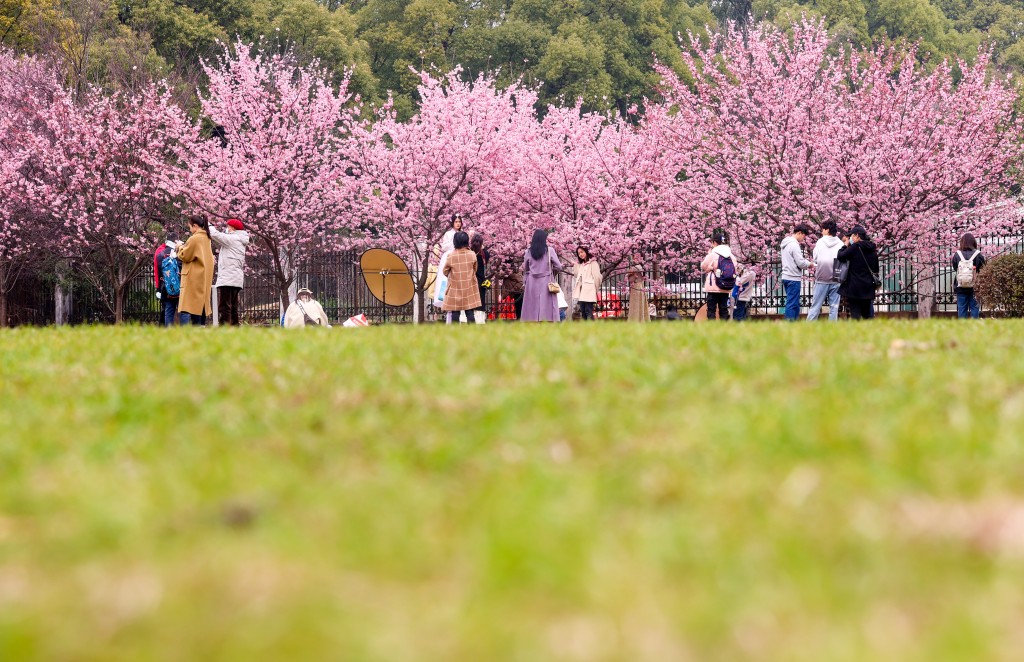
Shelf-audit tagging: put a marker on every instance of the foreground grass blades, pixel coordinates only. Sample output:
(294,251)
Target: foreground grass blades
(575,492)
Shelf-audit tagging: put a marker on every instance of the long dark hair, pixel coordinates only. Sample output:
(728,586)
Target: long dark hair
(585,250)
(201,221)
(539,244)
(968,242)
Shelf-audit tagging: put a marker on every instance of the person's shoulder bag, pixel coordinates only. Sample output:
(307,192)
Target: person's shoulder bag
(875,278)
(553,287)
(305,316)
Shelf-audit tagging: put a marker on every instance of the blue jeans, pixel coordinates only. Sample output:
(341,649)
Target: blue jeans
(739,313)
(824,292)
(967,306)
(170,310)
(792,288)
(194,320)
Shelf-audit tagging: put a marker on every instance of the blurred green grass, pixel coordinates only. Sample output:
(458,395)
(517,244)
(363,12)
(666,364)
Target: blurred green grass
(574,492)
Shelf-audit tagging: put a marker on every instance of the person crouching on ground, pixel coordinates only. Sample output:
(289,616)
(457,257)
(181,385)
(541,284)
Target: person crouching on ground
(230,269)
(305,311)
(196,257)
(721,276)
(463,293)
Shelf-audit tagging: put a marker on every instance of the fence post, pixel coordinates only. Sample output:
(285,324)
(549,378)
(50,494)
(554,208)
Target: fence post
(216,306)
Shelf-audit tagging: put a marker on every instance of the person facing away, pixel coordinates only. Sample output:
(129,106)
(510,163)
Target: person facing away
(445,249)
(463,293)
(826,275)
(305,311)
(196,256)
(483,258)
(721,276)
(586,282)
(743,292)
(230,268)
(859,288)
(167,277)
(540,264)
(639,308)
(793,265)
(967,262)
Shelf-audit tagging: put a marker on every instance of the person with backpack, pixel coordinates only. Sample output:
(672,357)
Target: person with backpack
(862,279)
(793,265)
(230,269)
(167,277)
(721,276)
(967,262)
(826,275)
(196,257)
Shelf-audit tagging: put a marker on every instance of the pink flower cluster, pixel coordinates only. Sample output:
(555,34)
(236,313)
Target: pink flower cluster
(767,131)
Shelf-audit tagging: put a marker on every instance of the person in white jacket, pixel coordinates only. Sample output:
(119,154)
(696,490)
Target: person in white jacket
(230,269)
(305,311)
(793,265)
(826,276)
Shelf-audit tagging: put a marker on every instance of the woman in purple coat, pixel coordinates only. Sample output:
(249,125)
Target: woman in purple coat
(540,264)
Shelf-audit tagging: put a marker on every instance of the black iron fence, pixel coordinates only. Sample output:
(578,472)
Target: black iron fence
(337,283)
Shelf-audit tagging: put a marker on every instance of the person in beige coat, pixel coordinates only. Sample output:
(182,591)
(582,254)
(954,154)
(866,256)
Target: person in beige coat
(196,257)
(587,282)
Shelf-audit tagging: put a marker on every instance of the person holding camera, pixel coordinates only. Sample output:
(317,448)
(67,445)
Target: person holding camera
(230,269)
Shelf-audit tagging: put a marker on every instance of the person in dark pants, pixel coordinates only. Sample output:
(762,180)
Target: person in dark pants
(967,262)
(721,276)
(483,257)
(859,288)
(793,265)
(167,277)
(230,269)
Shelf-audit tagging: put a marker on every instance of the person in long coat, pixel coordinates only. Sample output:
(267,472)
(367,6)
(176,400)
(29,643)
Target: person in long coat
(230,269)
(463,293)
(859,287)
(540,265)
(638,306)
(196,257)
(587,282)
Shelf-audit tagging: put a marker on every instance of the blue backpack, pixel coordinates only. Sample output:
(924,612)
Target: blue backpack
(170,276)
(727,273)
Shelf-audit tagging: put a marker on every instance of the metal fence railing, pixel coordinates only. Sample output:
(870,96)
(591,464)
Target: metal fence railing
(338,285)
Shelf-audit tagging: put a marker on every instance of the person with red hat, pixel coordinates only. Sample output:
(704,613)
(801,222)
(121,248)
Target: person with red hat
(230,269)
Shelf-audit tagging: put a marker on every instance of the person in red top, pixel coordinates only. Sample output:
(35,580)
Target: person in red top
(168,297)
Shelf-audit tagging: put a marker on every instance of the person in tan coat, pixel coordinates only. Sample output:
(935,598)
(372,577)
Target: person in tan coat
(587,282)
(196,257)
(463,293)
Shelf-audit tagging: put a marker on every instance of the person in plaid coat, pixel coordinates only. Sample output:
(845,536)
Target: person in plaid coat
(460,268)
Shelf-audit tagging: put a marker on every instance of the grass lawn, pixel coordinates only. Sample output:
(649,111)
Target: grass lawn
(582,492)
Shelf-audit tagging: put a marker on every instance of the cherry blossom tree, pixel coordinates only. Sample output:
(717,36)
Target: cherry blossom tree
(278,157)
(27,87)
(101,163)
(452,157)
(782,129)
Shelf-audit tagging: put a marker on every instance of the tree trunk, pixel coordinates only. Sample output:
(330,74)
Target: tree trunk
(3,296)
(421,291)
(119,304)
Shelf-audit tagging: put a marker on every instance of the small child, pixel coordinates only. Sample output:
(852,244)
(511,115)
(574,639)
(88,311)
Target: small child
(563,305)
(743,292)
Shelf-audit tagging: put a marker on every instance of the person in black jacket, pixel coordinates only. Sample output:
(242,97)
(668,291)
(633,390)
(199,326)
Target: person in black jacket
(483,258)
(859,288)
(966,302)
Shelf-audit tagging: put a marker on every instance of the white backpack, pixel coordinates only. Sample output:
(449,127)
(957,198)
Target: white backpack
(965,270)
